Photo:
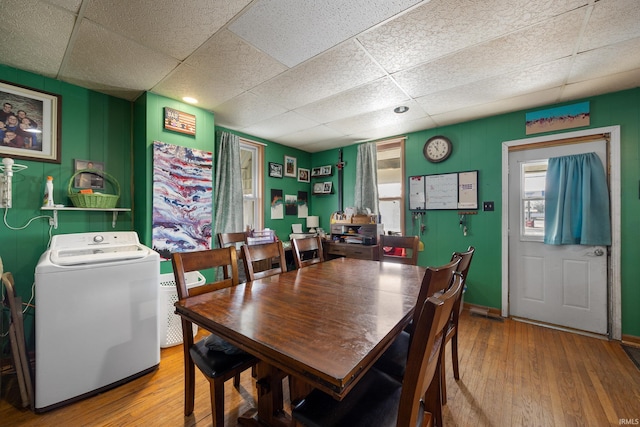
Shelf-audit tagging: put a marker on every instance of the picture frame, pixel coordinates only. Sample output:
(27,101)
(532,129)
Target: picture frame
(31,123)
(303,175)
(275,170)
(327,186)
(88,180)
(179,121)
(315,171)
(325,170)
(290,166)
(318,188)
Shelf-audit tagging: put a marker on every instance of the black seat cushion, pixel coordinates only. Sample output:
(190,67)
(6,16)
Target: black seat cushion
(215,363)
(373,402)
(394,360)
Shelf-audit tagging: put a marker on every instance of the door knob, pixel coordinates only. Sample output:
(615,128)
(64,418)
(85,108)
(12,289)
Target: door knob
(598,252)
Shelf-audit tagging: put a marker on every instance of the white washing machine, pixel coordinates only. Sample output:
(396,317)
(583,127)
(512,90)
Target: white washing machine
(96,319)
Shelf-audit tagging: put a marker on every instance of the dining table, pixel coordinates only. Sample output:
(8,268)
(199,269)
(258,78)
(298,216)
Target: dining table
(323,326)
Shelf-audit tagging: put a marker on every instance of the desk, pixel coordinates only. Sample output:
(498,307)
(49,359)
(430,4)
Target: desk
(324,325)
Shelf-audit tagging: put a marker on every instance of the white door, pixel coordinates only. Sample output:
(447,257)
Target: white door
(563,285)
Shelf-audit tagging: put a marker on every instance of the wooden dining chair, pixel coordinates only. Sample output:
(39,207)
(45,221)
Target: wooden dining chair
(236,239)
(398,249)
(452,329)
(220,361)
(264,260)
(307,251)
(380,400)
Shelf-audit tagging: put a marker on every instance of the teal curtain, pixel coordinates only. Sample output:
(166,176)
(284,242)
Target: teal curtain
(228,186)
(576,201)
(366,190)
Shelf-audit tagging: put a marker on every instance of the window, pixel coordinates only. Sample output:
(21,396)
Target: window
(390,155)
(533,176)
(251,168)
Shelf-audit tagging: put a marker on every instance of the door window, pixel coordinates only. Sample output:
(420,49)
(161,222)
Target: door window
(532,175)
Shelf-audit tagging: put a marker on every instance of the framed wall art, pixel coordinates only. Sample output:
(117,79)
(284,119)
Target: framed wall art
(290,166)
(88,180)
(275,170)
(303,175)
(29,123)
(178,121)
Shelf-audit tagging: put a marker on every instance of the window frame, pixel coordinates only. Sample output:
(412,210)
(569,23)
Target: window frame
(389,144)
(258,182)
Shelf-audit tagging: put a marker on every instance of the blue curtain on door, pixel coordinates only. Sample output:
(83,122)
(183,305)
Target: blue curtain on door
(576,201)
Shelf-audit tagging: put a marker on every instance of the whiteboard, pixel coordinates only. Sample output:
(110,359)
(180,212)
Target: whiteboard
(458,190)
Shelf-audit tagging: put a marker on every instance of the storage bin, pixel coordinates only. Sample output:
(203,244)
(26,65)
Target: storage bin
(170,323)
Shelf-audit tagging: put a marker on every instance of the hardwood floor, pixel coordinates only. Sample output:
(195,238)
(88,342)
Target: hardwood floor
(512,374)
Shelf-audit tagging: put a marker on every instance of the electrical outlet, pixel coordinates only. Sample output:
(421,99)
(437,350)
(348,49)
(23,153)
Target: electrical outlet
(487,206)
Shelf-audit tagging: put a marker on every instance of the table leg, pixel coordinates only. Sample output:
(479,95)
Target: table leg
(298,389)
(270,399)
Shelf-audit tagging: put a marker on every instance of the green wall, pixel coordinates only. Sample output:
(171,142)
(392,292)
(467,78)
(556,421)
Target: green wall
(95,127)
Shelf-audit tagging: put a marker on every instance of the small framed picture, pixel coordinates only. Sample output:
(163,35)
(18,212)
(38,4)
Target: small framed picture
(88,180)
(315,171)
(325,170)
(327,187)
(275,170)
(290,166)
(303,175)
(318,188)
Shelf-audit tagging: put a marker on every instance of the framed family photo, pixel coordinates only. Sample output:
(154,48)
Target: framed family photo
(29,123)
(88,180)
(290,166)
(303,175)
(275,170)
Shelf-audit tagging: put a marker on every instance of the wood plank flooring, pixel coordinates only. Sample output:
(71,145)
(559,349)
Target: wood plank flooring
(512,374)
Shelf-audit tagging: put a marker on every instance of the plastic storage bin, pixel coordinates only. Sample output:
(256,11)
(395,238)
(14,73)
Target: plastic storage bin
(170,323)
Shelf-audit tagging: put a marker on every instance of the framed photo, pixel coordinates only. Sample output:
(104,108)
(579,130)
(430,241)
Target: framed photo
(88,180)
(275,170)
(29,123)
(303,175)
(327,187)
(290,166)
(315,171)
(325,170)
(318,188)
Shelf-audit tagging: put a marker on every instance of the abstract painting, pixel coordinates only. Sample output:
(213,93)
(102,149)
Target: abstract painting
(303,205)
(558,118)
(182,199)
(290,204)
(277,204)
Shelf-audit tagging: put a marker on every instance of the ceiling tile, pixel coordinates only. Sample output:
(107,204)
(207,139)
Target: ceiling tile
(175,29)
(607,84)
(611,21)
(314,139)
(96,58)
(376,119)
(34,35)
(368,97)
(553,39)
(207,71)
(283,124)
(70,5)
(342,68)
(293,31)
(397,129)
(609,60)
(245,110)
(441,27)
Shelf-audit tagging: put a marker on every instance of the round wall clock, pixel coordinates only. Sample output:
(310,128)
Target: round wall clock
(437,148)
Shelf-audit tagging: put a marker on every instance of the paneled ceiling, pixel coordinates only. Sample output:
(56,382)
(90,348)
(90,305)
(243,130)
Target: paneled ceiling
(319,74)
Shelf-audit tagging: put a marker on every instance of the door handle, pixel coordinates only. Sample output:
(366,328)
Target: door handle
(598,252)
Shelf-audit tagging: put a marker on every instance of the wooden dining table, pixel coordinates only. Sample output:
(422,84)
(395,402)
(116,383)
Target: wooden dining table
(323,325)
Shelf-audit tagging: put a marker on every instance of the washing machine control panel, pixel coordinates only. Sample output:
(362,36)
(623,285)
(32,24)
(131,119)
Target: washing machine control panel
(99,238)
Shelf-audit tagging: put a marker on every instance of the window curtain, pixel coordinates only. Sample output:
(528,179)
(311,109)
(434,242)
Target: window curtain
(366,191)
(576,201)
(228,186)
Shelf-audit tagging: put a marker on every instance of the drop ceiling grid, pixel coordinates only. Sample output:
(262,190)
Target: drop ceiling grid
(610,22)
(282,124)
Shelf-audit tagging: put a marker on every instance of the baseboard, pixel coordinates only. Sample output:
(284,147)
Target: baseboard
(631,340)
(493,312)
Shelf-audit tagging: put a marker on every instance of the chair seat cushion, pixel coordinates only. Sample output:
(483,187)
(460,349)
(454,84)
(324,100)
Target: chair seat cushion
(214,342)
(394,360)
(374,401)
(214,363)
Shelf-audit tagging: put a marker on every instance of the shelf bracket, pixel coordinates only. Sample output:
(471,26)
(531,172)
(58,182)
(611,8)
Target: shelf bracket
(114,219)
(54,221)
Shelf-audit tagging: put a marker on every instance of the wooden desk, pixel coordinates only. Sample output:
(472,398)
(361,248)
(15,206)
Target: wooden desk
(324,325)
(349,250)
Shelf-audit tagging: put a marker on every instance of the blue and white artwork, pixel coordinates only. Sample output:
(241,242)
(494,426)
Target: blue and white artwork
(182,199)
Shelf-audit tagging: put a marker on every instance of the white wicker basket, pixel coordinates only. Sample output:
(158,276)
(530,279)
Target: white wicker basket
(170,324)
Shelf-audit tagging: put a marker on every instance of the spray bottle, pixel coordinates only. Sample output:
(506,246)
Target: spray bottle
(48,194)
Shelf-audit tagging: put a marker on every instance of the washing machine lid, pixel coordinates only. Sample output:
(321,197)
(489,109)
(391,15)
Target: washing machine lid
(96,255)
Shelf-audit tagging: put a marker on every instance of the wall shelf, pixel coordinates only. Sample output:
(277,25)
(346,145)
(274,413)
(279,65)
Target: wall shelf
(55,210)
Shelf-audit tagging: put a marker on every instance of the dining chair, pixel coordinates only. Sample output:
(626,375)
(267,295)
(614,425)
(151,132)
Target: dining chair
(236,239)
(380,400)
(259,260)
(216,359)
(452,329)
(307,251)
(398,249)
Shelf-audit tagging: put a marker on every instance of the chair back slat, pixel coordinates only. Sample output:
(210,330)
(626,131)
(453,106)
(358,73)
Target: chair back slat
(259,260)
(389,245)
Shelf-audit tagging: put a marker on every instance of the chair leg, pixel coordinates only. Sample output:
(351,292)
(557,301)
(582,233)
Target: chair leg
(443,377)
(216,392)
(236,381)
(454,356)
(433,399)
(189,383)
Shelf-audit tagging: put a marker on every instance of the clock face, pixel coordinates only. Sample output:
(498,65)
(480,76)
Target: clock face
(437,149)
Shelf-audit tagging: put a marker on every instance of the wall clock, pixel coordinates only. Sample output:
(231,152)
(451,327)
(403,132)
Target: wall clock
(437,148)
